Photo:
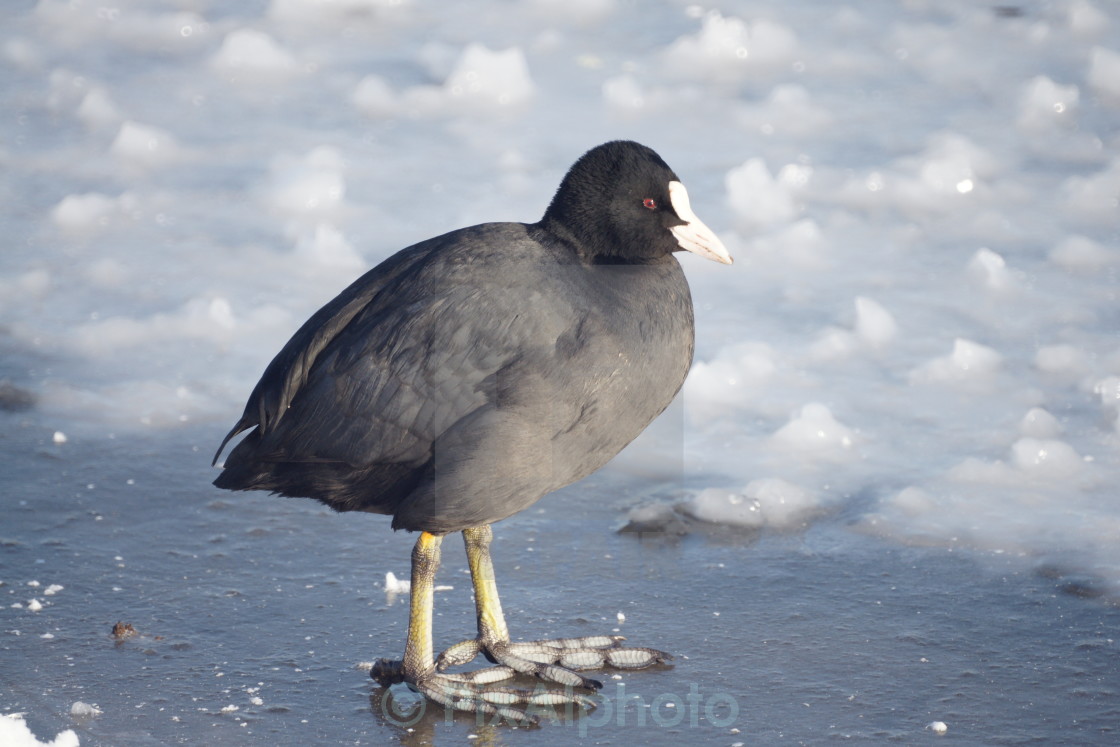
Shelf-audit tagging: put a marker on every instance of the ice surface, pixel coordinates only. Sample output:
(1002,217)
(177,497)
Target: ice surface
(906,391)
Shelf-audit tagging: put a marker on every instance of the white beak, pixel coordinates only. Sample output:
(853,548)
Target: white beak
(694,236)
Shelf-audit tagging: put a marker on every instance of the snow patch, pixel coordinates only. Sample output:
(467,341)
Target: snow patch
(249,55)
(814,432)
(309,184)
(146,146)
(767,502)
(969,361)
(1104,73)
(730,49)
(14,732)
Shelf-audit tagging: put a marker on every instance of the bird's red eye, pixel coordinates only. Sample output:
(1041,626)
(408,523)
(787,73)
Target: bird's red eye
(650,203)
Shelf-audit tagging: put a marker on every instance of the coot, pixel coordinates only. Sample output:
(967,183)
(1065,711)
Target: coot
(467,376)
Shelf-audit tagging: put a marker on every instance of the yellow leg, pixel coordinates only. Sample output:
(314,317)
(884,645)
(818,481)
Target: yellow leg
(418,647)
(491,621)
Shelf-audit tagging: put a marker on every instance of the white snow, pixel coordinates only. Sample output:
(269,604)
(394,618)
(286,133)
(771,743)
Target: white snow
(1047,105)
(729,48)
(80,709)
(145,145)
(394,585)
(14,732)
(490,77)
(969,361)
(814,432)
(760,199)
(1104,73)
(252,52)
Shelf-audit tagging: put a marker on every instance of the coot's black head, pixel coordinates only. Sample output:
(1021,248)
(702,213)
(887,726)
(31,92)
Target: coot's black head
(620,203)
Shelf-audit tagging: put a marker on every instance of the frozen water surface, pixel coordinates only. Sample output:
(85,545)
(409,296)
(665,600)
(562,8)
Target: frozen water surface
(885,502)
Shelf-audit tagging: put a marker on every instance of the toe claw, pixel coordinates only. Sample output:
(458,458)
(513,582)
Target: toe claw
(387,672)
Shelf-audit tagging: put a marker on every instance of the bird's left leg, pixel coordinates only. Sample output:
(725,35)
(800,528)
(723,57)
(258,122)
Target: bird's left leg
(555,660)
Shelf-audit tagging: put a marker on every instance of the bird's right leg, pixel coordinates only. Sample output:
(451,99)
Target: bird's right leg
(471,691)
(558,660)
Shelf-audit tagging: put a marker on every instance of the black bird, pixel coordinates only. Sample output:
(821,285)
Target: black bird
(467,376)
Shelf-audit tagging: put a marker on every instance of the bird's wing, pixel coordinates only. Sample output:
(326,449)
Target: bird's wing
(410,349)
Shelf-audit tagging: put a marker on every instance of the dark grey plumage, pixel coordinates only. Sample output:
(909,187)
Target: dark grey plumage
(467,376)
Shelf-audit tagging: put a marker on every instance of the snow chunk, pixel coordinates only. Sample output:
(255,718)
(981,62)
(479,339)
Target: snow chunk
(624,93)
(309,184)
(1085,19)
(1109,391)
(146,146)
(788,110)
(1045,457)
(328,247)
(874,324)
(990,270)
(783,504)
(731,379)
(950,169)
(1039,423)
(480,81)
(79,213)
(15,733)
(488,77)
(874,328)
(84,710)
(1095,196)
(394,585)
(801,245)
(1082,253)
(98,110)
(374,96)
(252,52)
(767,502)
(913,501)
(1104,73)
(1047,106)
(813,430)
(968,361)
(760,200)
(83,213)
(729,49)
(953,164)
(1062,359)
(201,318)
